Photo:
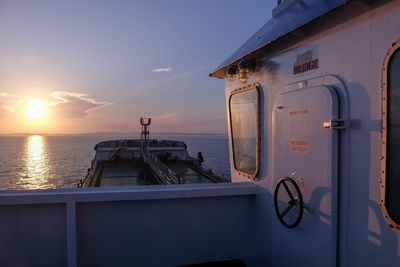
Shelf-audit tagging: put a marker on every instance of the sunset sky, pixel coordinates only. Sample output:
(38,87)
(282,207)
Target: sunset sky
(98,65)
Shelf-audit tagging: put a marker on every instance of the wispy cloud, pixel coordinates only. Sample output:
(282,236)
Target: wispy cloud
(6,110)
(63,104)
(176,76)
(168,116)
(162,70)
(75,105)
(8,95)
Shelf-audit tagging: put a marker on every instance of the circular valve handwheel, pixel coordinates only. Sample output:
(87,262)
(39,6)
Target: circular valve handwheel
(288,188)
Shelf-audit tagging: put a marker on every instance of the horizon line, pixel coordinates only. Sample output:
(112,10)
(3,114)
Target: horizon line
(109,133)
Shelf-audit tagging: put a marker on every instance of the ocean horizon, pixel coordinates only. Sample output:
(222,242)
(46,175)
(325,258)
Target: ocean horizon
(137,134)
(49,161)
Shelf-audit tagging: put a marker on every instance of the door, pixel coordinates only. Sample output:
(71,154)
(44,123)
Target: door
(305,151)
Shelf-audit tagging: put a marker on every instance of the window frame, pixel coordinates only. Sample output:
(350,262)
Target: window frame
(256,87)
(384,136)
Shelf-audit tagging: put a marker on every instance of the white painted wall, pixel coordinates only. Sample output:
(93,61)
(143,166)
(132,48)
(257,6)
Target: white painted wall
(354,51)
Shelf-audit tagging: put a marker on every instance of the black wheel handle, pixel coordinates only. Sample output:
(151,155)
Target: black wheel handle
(296,202)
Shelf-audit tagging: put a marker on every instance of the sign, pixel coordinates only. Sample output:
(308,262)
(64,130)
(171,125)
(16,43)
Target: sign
(299,146)
(298,112)
(305,62)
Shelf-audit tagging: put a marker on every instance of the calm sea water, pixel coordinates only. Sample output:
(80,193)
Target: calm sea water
(40,162)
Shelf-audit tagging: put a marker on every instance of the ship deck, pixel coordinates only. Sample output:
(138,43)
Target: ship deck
(127,173)
(121,173)
(189,174)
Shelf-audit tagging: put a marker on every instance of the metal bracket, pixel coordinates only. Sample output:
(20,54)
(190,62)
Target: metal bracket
(336,124)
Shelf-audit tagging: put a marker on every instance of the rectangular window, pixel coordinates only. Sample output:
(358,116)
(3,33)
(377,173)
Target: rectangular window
(244,120)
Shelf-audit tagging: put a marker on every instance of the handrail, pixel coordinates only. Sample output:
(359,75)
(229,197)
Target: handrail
(207,173)
(164,174)
(88,181)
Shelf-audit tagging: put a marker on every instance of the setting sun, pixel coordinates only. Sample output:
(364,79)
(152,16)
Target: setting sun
(35,109)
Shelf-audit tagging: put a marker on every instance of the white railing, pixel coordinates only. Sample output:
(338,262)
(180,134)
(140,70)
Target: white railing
(129,226)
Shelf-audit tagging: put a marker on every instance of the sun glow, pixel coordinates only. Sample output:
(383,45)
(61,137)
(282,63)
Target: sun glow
(35,109)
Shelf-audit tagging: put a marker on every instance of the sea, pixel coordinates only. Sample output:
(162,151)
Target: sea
(47,161)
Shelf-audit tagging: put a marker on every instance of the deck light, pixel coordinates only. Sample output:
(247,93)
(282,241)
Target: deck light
(232,72)
(245,67)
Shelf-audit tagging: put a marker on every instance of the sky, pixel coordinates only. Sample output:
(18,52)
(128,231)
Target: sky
(82,66)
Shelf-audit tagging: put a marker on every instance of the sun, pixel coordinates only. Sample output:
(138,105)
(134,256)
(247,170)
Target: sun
(35,110)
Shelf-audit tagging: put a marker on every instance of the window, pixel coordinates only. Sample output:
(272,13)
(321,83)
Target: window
(244,122)
(390,197)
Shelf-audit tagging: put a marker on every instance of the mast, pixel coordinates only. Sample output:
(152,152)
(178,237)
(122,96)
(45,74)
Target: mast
(144,135)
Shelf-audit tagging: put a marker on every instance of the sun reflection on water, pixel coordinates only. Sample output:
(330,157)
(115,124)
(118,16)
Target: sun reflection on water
(36,170)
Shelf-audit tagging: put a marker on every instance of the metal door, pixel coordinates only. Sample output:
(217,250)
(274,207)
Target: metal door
(305,150)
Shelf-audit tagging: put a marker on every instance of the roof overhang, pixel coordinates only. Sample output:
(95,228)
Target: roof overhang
(295,15)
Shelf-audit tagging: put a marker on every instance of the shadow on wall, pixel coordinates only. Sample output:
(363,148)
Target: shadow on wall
(363,221)
(365,237)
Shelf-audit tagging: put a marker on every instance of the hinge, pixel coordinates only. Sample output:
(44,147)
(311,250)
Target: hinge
(336,124)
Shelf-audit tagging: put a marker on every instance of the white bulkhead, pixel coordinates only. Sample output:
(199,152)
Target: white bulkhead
(315,111)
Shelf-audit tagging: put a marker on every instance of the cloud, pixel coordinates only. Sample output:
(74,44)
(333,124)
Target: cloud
(2,111)
(62,104)
(7,95)
(162,70)
(5,111)
(169,116)
(9,103)
(176,76)
(74,105)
